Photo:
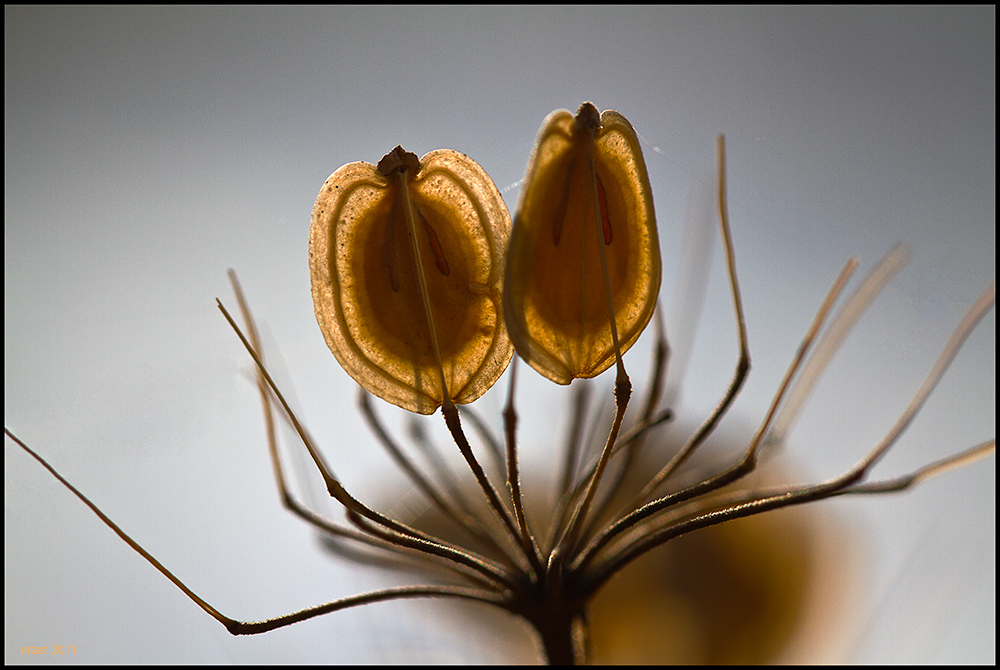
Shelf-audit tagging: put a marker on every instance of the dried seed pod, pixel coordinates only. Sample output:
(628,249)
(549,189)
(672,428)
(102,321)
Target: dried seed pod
(406,261)
(584,232)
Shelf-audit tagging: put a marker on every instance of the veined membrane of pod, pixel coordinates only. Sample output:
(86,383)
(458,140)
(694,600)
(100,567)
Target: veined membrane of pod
(406,262)
(586,188)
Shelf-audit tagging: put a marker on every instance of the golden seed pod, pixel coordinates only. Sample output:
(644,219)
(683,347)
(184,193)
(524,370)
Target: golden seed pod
(406,261)
(586,188)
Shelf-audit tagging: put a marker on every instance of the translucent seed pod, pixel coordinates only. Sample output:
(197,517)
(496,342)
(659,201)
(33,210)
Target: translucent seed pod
(586,190)
(406,261)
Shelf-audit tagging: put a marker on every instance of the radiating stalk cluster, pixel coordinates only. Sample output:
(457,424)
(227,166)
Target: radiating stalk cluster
(423,290)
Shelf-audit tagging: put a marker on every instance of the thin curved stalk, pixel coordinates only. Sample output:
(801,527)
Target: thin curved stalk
(528,545)
(338,492)
(462,519)
(841,485)
(748,461)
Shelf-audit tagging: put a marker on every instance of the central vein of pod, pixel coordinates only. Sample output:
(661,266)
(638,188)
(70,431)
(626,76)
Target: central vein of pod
(603,239)
(411,223)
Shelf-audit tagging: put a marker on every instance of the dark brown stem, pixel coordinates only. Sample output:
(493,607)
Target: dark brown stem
(562,638)
(560,623)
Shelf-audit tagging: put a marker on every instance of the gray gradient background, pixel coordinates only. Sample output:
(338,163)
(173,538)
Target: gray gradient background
(147,150)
